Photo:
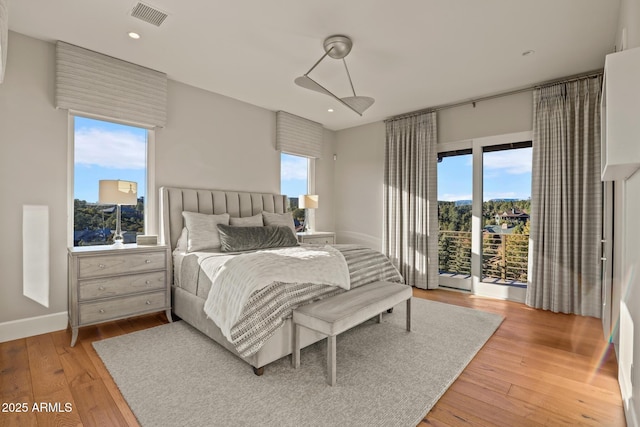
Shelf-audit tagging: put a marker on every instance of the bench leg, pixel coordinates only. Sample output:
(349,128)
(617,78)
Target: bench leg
(409,315)
(295,356)
(331,360)
(379,318)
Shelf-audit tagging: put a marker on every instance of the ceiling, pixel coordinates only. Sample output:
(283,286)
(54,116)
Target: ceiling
(407,54)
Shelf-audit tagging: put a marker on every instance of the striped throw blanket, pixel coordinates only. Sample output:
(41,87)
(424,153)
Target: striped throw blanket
(267,309)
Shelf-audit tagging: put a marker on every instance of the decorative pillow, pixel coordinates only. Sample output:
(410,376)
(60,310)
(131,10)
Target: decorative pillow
(202,233)
(279,219)
(181,244)
(235,239)
(248,221)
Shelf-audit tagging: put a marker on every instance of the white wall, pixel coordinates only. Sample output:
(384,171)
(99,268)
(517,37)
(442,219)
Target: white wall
(210,141)
(325,182)
(629,234)
(215,142)
(33,170)
(359,171)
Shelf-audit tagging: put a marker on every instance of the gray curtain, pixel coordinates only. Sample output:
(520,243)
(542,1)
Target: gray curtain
(566,199)
(410,235)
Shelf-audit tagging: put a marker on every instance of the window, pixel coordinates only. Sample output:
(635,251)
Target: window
(294,182)
(107,150)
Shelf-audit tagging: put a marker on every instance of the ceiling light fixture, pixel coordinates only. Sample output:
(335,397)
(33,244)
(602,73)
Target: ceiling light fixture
(134,36)
(337,47)
(330,110)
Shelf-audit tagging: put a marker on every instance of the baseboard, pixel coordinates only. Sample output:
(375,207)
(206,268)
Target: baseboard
(630,413)
(509,293)
(31,326)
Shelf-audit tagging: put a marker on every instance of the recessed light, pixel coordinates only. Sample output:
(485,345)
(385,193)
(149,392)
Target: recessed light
(330,110)
(528,52)
(134,36)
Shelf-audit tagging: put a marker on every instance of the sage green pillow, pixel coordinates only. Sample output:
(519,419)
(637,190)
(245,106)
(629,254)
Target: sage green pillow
(237,239)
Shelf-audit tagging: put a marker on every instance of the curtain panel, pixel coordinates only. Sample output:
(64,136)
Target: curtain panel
(410,235)
(566,199)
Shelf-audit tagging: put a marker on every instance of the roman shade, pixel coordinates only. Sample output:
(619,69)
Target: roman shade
(298,136)
(4,36)
(93,83)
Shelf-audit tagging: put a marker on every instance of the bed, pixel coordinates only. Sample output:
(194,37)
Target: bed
(194,272)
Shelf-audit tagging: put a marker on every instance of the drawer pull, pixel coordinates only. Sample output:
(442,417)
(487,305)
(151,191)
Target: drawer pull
(147,261)
(148,302)
(101,265)
(102,310)
(147,282)
(101,288)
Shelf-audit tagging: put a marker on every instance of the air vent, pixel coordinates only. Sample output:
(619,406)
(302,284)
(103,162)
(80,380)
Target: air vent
(148,14)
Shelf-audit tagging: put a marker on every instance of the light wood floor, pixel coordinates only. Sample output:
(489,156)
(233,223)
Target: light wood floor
(539,368)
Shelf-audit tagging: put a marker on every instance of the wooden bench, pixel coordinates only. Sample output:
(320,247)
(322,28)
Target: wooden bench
(336,314)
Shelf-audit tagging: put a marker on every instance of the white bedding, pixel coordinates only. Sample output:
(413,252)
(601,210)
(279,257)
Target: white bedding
(235,277)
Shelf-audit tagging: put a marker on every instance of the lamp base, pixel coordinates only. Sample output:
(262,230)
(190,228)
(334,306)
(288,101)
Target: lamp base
(118,244)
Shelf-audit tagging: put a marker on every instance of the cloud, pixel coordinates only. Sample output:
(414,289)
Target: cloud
(294,168)
(512,162)
(454,197)
(110,149)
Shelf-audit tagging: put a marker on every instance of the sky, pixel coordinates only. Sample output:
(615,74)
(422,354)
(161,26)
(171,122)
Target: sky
(293,175)
(105,150)
(506,175)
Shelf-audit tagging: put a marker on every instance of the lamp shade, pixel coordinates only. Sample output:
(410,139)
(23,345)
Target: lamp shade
(117,192)
(308,201)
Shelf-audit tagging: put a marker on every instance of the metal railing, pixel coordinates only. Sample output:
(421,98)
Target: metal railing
(504,256)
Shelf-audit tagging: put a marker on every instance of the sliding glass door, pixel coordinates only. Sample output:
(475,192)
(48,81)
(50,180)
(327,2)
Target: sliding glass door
(455,190)
(484,207)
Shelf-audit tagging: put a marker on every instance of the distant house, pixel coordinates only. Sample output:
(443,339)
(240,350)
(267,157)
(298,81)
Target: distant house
(513,215)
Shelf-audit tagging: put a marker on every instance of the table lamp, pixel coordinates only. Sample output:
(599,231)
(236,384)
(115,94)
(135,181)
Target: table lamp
(118,192)
(307,201)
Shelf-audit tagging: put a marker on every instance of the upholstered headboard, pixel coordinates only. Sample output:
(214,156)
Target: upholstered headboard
(237,204)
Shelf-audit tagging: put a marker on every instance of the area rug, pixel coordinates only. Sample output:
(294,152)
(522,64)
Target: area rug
(172,375)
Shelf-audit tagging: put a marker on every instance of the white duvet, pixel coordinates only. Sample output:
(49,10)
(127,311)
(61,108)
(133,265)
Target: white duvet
(235,278)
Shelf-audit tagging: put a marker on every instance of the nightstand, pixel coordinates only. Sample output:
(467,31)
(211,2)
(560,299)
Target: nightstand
(321,237)
(107,284)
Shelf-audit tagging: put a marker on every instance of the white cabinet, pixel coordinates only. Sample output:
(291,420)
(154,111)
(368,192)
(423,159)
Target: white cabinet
(317,237)
(621,115)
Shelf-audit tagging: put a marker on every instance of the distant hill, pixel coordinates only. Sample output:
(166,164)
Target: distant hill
(463,202)
(505,200)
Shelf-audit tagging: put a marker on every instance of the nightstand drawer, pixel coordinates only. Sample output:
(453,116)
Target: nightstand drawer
(96,266)
(122,285)
(319,240)
(121,307)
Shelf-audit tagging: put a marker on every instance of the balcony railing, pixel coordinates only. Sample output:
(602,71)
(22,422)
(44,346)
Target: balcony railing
(504,256)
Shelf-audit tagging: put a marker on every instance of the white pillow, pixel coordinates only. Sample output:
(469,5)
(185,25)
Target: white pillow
(202,230)
(279,219)
(181,244)
(247,221)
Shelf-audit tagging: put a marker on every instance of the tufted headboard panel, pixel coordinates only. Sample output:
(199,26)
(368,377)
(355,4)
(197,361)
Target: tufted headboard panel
(237,204)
